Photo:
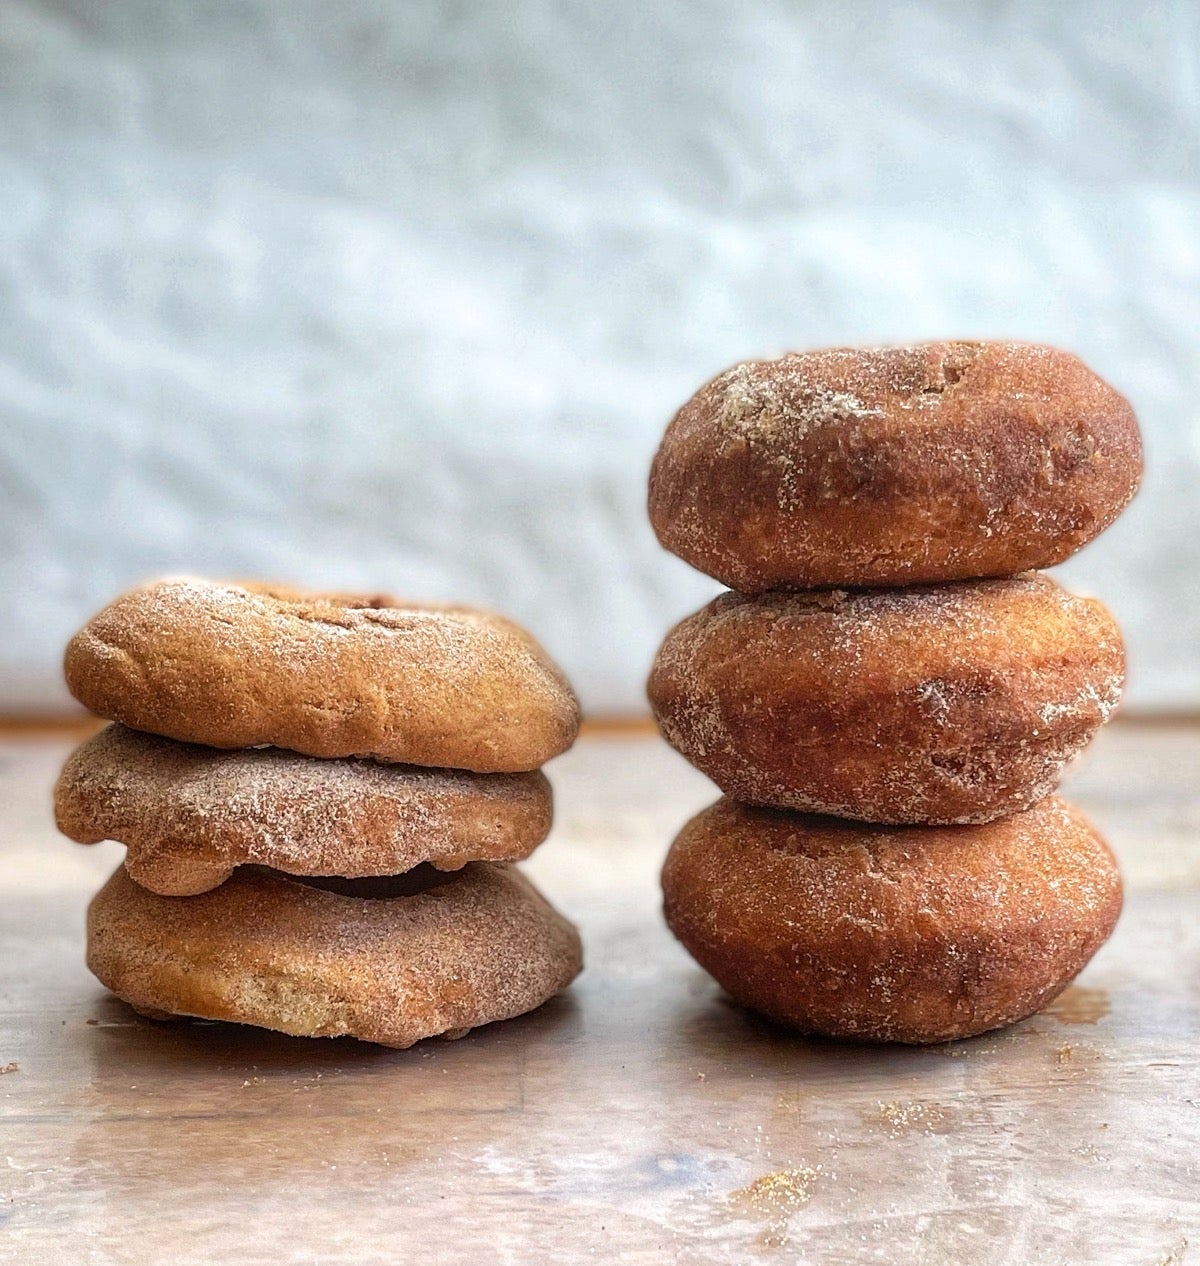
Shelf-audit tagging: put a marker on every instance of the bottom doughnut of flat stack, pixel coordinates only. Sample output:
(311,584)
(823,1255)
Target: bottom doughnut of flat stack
(387,960)
(915,935)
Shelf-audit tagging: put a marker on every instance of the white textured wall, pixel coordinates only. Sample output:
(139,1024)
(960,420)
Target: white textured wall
(402,294)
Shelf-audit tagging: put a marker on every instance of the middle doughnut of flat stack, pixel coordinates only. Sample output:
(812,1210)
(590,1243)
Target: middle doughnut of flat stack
(188,815)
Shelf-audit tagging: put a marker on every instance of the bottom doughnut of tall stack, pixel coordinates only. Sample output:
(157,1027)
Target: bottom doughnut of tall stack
(387,960)
(915,935)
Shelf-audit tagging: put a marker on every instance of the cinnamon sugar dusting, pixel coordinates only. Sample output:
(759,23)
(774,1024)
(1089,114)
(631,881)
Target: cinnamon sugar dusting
(325,674)
(913,1118)
(893,925)
(268,950)
(894,465)
(776,1197)
(189,814)
(753,406)
(841,494)
(943,704)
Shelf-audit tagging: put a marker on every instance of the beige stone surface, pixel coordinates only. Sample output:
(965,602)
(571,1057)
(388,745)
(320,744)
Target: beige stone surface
(637,1119)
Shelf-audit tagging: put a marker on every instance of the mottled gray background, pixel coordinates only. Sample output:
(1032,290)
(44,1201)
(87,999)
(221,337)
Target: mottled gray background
(402,294)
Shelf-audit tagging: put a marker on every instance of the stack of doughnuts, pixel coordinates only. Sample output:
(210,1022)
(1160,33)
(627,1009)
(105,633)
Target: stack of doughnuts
(891,690)
(320,796)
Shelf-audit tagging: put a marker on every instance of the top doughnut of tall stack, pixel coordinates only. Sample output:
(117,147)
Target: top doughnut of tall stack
(893,466)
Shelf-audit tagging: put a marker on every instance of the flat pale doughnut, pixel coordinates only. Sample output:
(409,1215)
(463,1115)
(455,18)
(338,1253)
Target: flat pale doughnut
(893,466)
(324,674)
(906,934)
(479,945)
(954,703)
(189,814)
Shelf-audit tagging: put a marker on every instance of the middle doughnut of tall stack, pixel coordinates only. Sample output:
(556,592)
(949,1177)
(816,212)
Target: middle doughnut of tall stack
(890,655)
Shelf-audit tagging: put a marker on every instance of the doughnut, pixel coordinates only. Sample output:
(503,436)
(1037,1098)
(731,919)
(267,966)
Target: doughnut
(385,960)
(893,466)
(901,934)
(947,704)
(324,674)
(188,815)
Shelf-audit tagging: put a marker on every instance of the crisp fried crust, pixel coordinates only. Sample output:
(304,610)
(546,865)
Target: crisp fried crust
(944,704)
(893,466)
(908,934)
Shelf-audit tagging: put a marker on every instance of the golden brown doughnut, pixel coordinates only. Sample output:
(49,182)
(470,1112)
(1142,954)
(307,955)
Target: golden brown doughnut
(956,703)
(893,466)
(903,934)
(324,674)
(462,950)
(189,815)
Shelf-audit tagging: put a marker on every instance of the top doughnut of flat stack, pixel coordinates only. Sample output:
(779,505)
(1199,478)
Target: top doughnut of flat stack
(327,675)
(893,466)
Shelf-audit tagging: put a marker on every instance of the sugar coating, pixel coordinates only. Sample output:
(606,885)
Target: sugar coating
(943,704)
(892,466)
(265,949)
(189,814)
(900,934)
(327,675)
